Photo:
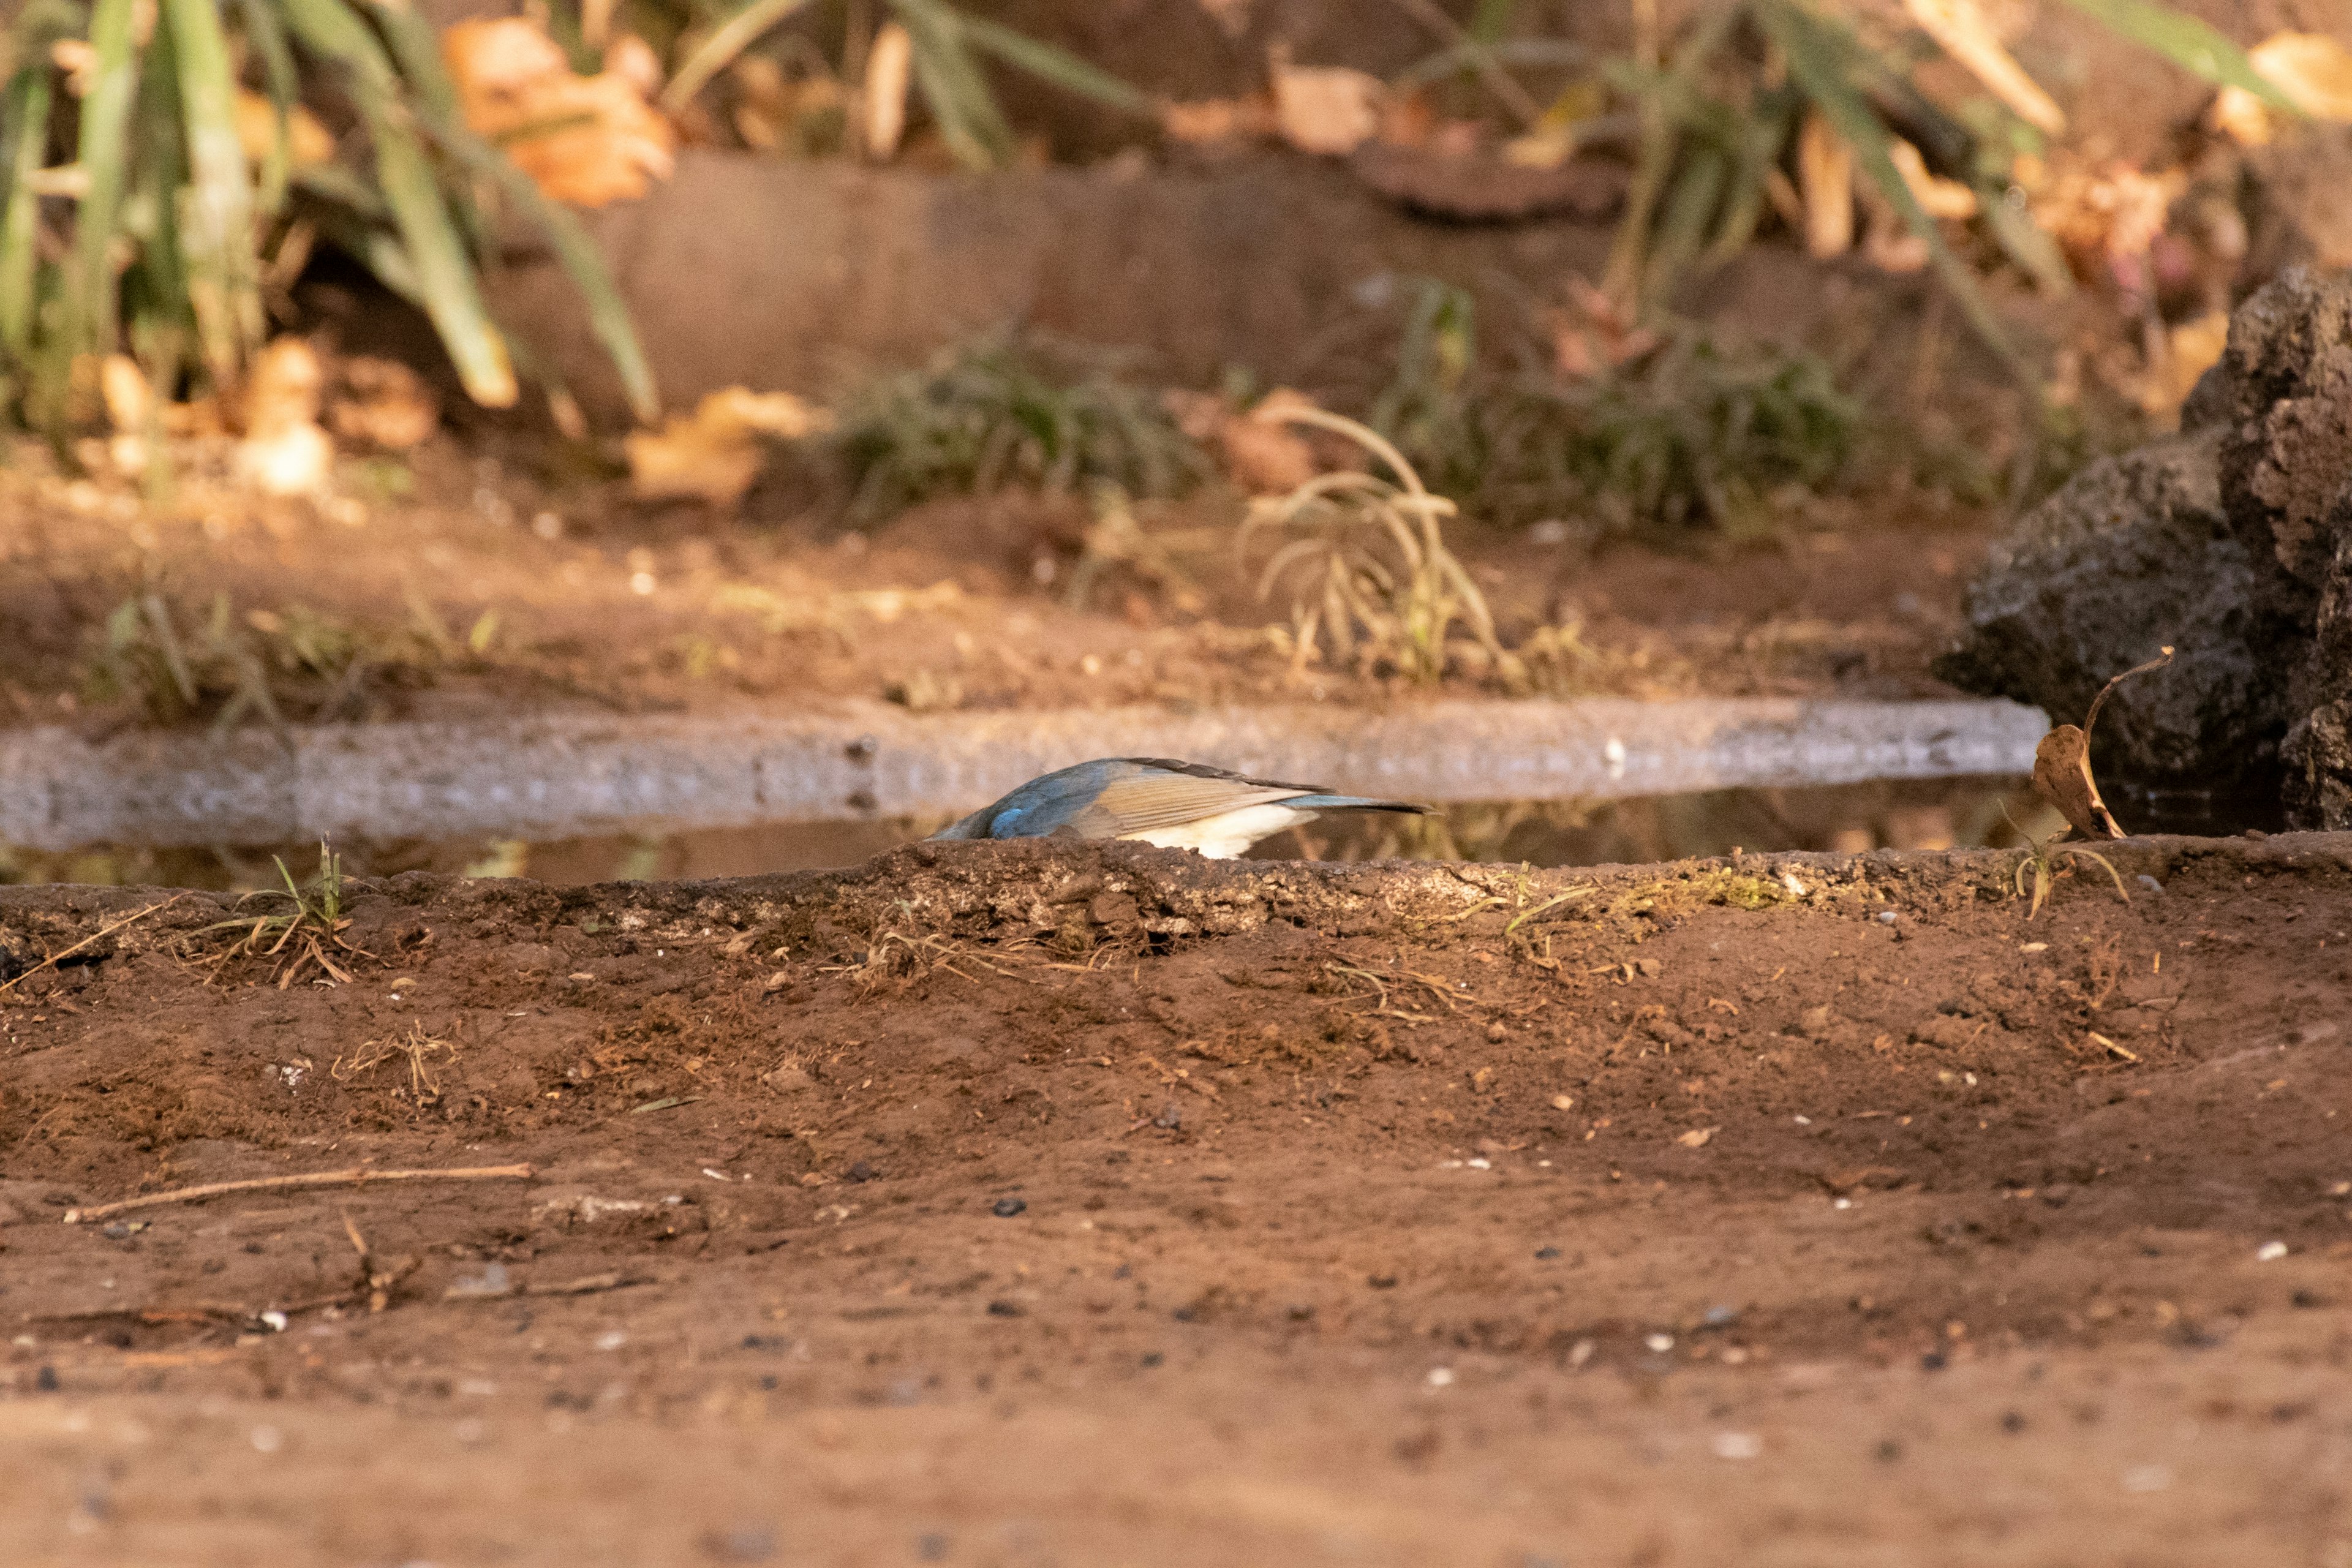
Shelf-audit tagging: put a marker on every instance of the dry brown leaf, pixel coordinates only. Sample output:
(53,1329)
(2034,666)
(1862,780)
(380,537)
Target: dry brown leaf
(284,451)
(306,142)
(1596,334)
(633,59)
(586,139)
(1328,110)
(1261,454)
(1961,31)
(2062,775)
(122,385)
(714,454)
(1938,197)
(889,67)
(1825,181)
(2105,215)
(384,404)
(2313,69)
(2190,349)
(1217,119)
(2061,765)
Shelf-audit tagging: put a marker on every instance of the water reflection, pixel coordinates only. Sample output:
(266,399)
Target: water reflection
(1906,815)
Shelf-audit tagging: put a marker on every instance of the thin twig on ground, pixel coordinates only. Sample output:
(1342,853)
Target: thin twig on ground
(353,1178)
(54,959)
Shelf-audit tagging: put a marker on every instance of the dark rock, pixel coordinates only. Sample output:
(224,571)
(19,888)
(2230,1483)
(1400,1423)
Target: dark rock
(2318,752)
(2286,447)
(2231,541)
(2134,553)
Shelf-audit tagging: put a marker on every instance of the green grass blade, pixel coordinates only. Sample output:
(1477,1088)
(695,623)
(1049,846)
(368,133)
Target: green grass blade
(1819,65)
(416,52)
(267,38)
(954,89)
(717,51)
(19,254)
(216,220)
(2185,42)
(416,48)
(104,153)
(1051,64)
(608,313)
(445,272)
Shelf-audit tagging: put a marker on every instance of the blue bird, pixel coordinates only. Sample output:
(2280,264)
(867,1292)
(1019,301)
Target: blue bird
(1176,805)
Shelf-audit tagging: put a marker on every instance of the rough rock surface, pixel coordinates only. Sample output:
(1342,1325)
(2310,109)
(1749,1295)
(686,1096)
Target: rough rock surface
(2232,543)
(2318,748)
(2134,554)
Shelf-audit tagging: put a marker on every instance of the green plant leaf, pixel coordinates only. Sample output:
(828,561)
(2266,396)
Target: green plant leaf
(953,87)
(104,154)
(1819,55)
(29,119)
(1048,62)
(2185,42)
(576,250)
(717,51)
(267,36)
(216,212)
(444,267)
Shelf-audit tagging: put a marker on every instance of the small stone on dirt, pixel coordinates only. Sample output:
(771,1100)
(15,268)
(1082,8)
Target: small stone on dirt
(1005,1208)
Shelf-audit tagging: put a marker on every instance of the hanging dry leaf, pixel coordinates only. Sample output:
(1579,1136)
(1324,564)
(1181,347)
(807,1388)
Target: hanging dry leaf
(889,67)
(284,451)
(1961,31)
(384,402)
(1825,181)
(586,139)
(2062,764)
(2062,775)
(1328,110)
(2313,69)
(714,454)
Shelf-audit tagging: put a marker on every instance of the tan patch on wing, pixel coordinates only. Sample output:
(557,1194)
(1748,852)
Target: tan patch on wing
(1146,800)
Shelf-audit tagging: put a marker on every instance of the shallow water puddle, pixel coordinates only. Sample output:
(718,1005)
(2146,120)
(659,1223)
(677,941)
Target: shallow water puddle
(1903,815)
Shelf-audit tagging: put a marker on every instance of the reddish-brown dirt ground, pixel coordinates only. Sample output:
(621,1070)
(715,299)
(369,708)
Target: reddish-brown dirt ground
(1026,1204)
(583,599)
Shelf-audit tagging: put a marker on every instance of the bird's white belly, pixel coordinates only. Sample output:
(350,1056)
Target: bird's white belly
(1227,834)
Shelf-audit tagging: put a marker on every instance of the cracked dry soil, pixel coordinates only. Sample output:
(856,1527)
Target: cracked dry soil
(1014,1203)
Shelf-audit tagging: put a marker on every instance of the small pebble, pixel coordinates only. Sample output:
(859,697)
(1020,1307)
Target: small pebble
(1007,1207)
(1440,1377)
(2270,1252)
(2150,883)
(1887,917)
(1546,1254)
(1660,1343)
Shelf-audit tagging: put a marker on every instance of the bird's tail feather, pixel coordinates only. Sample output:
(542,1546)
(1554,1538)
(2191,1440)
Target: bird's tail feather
(1355,803)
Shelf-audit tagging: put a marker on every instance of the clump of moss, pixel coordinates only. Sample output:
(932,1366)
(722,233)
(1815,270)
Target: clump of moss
(1718,885)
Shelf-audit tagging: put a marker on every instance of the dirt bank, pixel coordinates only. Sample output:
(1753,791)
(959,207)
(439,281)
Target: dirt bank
(1012,1203)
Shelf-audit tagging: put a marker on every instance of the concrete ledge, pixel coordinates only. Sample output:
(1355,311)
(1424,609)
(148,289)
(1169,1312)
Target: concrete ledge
(563,775)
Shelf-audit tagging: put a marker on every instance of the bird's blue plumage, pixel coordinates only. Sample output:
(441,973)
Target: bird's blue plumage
(1135,797)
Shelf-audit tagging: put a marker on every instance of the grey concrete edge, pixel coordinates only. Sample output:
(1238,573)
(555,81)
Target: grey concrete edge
(563,775)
